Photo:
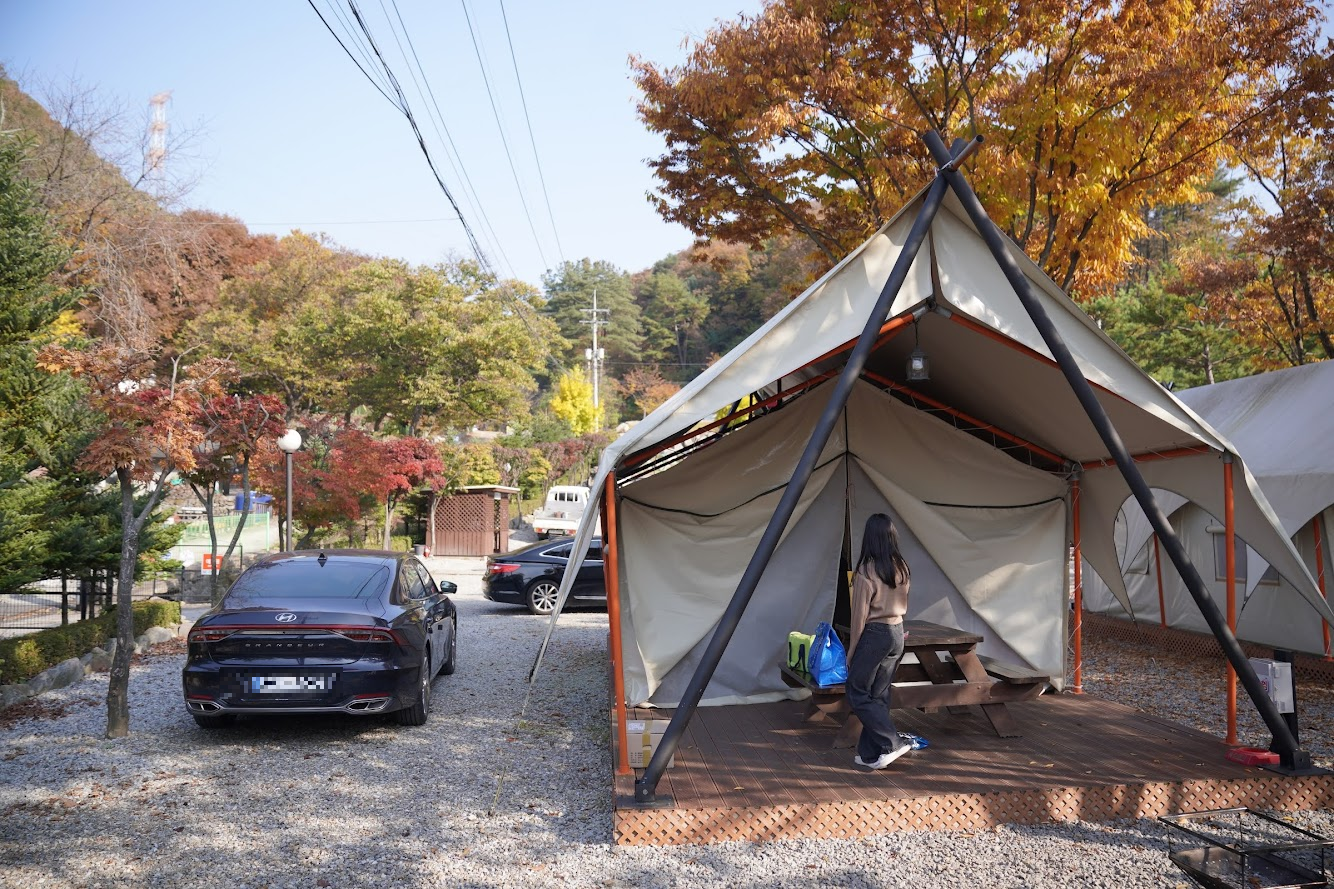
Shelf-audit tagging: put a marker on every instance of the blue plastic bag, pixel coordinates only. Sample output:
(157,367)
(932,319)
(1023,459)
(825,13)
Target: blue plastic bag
(826,659)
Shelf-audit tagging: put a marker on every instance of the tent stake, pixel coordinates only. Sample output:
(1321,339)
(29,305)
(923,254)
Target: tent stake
(647,785)
(1292,758)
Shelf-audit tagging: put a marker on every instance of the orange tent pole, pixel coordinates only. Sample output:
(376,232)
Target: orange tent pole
(1320,575)
(1158,567)
(1153,455)
(611,560)
(1079,592)
(1230,547)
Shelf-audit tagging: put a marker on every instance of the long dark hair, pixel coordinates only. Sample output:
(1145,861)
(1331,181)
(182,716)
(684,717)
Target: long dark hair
(880,547)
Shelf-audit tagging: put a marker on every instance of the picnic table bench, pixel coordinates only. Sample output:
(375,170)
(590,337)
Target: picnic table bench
(948,673)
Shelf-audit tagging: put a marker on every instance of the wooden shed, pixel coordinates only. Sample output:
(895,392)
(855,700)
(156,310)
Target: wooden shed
(472,522)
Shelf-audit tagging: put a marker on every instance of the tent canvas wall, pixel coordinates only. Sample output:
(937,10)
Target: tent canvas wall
(691,497)
(1283,427)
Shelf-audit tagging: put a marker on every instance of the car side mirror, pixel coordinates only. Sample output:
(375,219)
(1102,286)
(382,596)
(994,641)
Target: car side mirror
(449,588)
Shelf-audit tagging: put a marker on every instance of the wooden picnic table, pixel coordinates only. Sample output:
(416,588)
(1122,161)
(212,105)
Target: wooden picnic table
(958,678)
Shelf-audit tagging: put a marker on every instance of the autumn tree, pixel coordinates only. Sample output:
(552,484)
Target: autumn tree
(409,464)
(418,348)
(572,401)
(110,199)
(575,457)
(1283,304)
(647,388)
(149,430)
(255,322)
(233,427)
(805,117)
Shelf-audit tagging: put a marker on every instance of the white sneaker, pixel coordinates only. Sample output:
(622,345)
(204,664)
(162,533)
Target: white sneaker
(886,758)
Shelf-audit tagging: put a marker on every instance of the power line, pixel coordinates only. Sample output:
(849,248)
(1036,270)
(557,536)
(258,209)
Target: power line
(405,109)
(438,121)
(499,126)
(353,37)
(531,139)
(374,83)
(403,106)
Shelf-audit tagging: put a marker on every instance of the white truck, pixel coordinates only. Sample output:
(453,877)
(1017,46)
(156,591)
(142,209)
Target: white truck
(562,512)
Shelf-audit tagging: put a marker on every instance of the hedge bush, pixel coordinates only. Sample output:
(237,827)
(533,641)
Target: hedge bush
(23,657)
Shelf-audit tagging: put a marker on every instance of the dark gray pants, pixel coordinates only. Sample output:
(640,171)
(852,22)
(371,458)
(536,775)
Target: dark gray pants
(870,682)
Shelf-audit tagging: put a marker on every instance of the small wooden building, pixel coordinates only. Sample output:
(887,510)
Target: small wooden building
(474,521)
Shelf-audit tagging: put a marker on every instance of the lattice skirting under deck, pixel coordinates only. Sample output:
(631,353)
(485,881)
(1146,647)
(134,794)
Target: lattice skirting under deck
(859,818)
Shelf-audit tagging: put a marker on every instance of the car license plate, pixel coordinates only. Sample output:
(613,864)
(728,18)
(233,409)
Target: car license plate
(290,684)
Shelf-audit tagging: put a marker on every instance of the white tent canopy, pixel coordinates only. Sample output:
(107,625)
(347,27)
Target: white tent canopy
(1281,424)
(985,519)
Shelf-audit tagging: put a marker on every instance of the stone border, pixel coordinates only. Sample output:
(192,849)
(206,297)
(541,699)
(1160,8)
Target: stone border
(74,669)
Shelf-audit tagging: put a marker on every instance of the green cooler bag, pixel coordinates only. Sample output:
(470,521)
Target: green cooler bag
(797,646)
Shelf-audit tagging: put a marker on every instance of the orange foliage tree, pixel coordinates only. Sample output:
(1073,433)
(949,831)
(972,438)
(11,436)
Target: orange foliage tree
(149,430)
(234,427)
(647,388)
(805,118)
(1281,299)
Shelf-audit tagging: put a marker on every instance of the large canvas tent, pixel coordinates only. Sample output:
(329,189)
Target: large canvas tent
(986,465)
(1282,425)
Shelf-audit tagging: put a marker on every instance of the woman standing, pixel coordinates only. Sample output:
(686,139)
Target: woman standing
(879,602)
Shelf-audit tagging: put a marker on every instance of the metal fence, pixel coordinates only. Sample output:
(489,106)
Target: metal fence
(59,601)
(53,603)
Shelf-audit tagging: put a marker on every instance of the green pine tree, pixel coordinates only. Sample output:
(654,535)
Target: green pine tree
(34,405)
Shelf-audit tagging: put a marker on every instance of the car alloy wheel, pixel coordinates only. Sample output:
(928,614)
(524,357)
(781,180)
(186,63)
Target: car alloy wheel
(417,713)
(542,597)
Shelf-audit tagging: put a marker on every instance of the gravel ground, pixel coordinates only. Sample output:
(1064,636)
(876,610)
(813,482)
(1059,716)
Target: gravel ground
(481,796)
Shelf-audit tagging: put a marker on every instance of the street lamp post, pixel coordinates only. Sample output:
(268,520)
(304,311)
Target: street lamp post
(289,444)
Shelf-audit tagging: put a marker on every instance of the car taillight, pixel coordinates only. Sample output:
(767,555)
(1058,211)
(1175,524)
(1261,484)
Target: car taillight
(501,568)
(368,635)
(209,634)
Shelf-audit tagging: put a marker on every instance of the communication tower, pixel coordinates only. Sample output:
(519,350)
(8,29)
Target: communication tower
(157,133)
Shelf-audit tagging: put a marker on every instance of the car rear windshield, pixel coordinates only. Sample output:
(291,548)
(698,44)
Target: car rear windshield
(307,578)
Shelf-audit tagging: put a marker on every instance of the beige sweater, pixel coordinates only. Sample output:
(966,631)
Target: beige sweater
(874,601)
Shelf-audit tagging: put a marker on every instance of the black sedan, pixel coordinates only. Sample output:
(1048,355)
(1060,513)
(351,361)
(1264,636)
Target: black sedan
(531,576)
(338,631)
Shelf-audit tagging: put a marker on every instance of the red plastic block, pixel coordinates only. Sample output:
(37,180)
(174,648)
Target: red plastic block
(1252,756)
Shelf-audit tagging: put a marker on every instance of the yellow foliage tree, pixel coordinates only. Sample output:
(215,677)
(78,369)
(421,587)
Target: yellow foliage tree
(805,118)
(573,403)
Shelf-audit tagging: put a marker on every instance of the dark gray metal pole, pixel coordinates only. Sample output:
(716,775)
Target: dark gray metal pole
(1292,756)
(646,786)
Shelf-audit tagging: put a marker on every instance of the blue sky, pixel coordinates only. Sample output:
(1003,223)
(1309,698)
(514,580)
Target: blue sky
(291,134)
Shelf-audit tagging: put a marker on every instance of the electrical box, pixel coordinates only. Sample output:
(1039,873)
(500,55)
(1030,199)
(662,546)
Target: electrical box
(1276,679)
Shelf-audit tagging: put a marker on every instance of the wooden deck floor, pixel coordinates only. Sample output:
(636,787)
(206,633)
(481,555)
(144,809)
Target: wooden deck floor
(760,772)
